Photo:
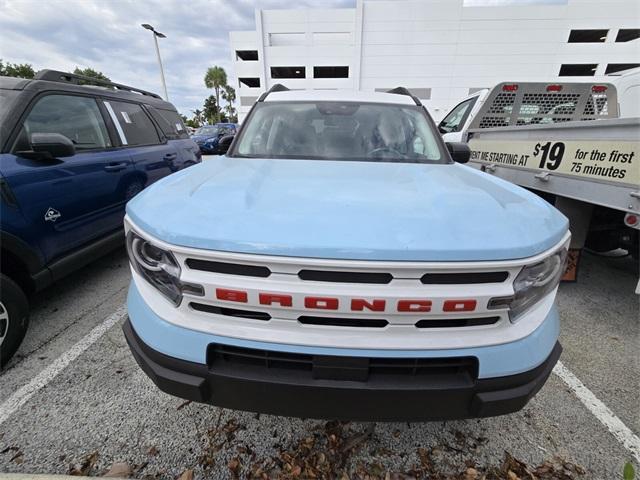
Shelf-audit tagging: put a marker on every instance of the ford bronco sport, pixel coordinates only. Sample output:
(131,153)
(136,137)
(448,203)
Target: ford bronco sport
(73,150)
(338,263)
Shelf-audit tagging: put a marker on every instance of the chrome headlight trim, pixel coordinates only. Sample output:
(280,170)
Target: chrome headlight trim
(534,282)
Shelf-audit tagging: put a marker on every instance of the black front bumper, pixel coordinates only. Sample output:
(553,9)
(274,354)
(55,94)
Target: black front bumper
(338,388)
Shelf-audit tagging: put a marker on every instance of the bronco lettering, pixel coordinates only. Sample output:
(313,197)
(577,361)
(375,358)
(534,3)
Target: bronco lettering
(414,305)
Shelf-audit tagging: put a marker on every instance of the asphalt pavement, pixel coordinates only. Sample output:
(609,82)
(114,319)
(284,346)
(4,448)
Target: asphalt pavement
(93,407)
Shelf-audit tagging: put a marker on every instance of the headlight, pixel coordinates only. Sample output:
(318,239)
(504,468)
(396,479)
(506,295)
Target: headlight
(158,267)
(532,284)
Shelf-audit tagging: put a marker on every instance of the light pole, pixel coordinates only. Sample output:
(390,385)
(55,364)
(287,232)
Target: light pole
(157,34)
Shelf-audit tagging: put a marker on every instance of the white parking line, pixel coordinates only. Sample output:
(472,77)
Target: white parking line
(23,394)
(609,419)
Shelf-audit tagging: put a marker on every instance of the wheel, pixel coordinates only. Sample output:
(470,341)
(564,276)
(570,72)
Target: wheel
(14,318)
(603,241)
(132,189)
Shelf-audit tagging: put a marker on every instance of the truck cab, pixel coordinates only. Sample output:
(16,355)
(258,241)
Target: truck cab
(453,125)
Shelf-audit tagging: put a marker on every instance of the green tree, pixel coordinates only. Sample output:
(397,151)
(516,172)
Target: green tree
(21,70)
(90,72)
(216,78)
(192,122)
(211,110)
(197,116)
(229,95)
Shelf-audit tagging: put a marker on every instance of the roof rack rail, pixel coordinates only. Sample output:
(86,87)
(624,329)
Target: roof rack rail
(75,79)
(278,87)
(405,91)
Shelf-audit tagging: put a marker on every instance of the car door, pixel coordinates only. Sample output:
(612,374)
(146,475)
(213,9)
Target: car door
(152,155)
(176,134)
(73,200)
(451,126)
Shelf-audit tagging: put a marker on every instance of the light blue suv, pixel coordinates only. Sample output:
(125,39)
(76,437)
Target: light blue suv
(340,262)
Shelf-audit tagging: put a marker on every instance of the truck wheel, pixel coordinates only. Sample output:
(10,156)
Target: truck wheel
(14,318)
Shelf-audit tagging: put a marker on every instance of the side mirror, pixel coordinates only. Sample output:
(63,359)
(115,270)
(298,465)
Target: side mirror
(225,143)
(460,152)
(52,145)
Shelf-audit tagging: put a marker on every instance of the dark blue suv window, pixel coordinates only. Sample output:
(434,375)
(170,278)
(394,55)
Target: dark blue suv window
(77,118)
(170,123)
(136,125)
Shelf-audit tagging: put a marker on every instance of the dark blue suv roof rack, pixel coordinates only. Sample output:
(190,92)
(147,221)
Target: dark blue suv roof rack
(75,79)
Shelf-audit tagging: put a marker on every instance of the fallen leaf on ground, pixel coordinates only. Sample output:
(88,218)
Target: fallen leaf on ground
(353,442)
(186,475)
(119,470)
(83,469)
(471,474)
(234,466)
(18,458)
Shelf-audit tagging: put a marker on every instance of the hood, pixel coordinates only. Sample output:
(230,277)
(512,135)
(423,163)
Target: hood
(201,138)
(347,210)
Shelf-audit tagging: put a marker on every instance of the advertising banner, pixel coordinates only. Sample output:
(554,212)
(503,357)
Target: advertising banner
(612,161)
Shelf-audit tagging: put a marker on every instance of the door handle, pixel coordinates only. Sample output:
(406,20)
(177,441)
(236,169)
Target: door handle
(170,156)
(116,167)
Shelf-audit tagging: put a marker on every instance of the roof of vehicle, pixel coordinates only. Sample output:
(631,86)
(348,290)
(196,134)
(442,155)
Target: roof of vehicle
(47,85)
(624,73)
(339,96)
(13,83)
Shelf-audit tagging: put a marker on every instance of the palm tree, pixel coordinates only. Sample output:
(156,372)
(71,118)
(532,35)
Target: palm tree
(210,109)
(229,95)
(215,78)
(197,113)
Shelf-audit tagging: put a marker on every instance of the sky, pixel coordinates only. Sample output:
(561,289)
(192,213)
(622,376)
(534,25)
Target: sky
(106,35)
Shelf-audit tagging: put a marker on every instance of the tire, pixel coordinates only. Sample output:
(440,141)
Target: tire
(603,241)
(132,189)
(14,318)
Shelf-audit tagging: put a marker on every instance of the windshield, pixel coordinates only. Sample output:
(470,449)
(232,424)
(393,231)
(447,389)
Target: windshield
(208,130)
(339,131)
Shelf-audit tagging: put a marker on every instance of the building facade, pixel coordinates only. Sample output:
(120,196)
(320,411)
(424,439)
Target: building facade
(442,50)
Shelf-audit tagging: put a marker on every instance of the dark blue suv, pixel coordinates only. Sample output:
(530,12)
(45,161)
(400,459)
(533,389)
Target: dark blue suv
(73,151)
(208,137)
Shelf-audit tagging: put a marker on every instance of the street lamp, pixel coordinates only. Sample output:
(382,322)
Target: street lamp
(157,34)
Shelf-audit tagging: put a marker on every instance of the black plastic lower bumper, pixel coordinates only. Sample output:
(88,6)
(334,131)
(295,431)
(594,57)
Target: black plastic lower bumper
(300,392)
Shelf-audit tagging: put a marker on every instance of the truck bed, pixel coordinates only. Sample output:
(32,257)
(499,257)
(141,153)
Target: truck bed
(596,162)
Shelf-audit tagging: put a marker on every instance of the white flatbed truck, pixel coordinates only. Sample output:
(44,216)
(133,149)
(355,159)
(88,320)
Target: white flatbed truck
(576,144)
